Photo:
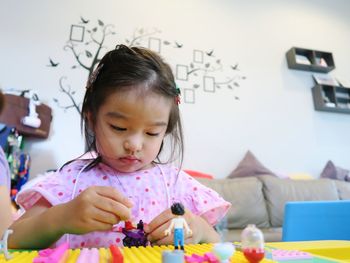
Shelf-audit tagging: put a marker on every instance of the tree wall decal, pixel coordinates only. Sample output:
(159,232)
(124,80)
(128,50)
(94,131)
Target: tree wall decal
(205,72)
(86,52)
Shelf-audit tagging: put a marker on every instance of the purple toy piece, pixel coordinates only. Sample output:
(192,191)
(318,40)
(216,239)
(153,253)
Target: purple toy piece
(135,237)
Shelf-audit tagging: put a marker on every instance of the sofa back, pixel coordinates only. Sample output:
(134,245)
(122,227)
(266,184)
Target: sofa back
(260,200)
(279,191)
(247,199)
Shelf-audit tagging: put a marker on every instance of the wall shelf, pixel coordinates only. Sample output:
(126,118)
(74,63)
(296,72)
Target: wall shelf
(310,60)
(331,98)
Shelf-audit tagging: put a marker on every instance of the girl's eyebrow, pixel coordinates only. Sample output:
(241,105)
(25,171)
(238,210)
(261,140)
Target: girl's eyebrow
(117,115)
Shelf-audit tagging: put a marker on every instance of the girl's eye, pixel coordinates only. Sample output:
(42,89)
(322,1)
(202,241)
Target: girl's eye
(118,128)
(152,134)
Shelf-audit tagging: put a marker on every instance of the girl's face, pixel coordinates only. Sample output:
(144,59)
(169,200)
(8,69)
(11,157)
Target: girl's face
(130,127)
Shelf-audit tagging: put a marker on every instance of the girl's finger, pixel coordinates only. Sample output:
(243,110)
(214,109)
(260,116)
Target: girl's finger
(161,219)
(104,217)
(158,233)
(166,240)
(111,206)
(100,226)
(112,193)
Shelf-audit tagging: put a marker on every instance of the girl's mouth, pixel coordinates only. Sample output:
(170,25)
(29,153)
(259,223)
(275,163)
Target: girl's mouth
(129,160)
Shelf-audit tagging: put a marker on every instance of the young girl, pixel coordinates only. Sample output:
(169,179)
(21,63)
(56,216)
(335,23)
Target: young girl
(5,184)
(131,104)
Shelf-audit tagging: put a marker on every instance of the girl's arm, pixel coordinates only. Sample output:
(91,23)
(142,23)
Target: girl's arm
(5,209)
(39,227)
(97,208)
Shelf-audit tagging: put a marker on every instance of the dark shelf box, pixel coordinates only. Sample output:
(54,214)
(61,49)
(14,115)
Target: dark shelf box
(309,60)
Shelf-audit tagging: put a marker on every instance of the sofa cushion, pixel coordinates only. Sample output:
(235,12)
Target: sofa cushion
(279,191)
(343,189)
(249,166)
(246,197)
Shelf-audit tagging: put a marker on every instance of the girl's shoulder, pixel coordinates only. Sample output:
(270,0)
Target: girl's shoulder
(174,173)
(75,165)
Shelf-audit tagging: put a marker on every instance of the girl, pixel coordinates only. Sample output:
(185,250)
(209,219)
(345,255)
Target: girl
(5,184)
(130,105)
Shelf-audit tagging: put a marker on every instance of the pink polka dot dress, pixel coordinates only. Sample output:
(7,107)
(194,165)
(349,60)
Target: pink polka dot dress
(152,191)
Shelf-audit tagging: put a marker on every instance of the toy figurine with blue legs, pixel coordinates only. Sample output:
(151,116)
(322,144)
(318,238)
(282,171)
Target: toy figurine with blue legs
(178,224)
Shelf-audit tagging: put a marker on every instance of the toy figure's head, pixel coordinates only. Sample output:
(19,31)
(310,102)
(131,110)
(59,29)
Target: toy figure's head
(178,209)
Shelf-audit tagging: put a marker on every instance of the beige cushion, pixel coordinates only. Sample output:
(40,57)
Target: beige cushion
(343,189)
(246,197)
(279,191)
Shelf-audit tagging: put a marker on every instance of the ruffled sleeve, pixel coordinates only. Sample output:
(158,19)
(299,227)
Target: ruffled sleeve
(55,187)
(4,171)
(202,200)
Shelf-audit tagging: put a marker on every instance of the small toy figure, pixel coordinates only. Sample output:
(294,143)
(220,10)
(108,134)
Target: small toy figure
(134,236)
(178,223)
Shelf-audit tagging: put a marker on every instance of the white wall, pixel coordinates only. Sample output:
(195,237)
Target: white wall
(274,117)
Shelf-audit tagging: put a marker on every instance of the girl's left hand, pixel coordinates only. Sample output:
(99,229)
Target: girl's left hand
(201,230)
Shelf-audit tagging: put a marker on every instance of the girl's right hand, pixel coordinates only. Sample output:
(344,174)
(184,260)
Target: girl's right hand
(97,208)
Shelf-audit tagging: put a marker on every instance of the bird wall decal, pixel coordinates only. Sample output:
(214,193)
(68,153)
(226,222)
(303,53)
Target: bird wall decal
(178,45)
(52,63)
(210,53)
(235,67)
(84,21)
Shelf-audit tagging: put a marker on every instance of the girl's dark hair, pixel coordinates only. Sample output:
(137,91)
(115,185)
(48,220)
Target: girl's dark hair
(126,67)
(177,209)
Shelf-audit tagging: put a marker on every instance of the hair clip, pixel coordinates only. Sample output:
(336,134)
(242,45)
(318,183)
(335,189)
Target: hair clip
(177,97)
(93,77)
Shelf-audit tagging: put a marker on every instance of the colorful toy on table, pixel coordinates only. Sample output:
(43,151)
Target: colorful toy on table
(117,256)
(3,243)
(149,254)
(282,254)
(53,255)
(88,255)
(253,244)
(224,251)
(207,257)
(178,224)
(134,237)
(175,256)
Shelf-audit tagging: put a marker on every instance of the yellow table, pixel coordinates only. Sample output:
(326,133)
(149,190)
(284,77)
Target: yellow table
(337,250)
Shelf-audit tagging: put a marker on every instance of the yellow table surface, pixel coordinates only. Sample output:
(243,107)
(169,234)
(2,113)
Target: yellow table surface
(338,250)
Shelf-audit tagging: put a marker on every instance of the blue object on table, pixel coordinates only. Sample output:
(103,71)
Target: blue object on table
(175,256)
(316,220)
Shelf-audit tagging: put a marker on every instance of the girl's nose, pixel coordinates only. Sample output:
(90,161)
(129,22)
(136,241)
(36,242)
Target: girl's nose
(133,144)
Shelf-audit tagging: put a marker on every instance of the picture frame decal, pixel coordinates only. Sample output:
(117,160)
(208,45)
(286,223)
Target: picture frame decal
(181,72)
(209,84)
(77,33)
